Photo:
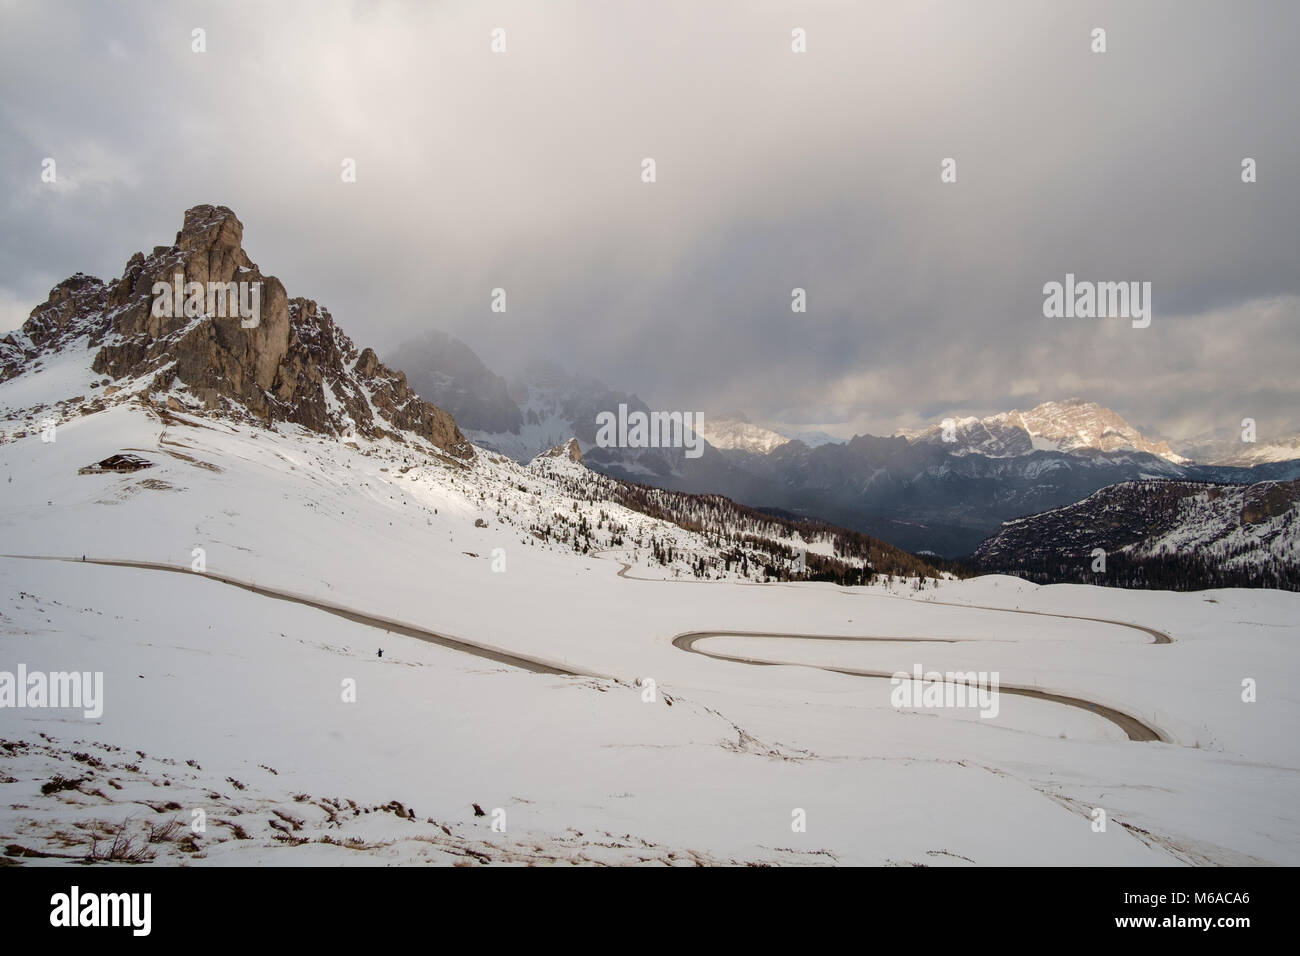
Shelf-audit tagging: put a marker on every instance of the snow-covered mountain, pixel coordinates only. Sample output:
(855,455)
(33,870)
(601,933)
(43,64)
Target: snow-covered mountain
(735,432)
(1175,534)
(1261,452)
(543,407)
(291,365)
(812,438)
(445,371)
(1227,448)
(555,405)
(1072,425)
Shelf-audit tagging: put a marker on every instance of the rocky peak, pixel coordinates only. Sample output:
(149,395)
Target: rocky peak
(210,354)
(1077,424)
(292,364)
(569,449)
(61,320)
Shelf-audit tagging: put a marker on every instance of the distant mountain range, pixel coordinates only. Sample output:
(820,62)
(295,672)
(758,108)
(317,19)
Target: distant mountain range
(941,489)
(1229,449)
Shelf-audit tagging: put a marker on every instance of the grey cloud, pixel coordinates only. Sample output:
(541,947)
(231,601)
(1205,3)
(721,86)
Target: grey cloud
(775,170)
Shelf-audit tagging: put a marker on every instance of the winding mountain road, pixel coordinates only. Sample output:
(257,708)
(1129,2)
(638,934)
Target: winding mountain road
(534,664)
(1135,729)
(1132,727)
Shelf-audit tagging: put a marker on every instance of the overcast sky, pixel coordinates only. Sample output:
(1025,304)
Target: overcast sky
(775,170)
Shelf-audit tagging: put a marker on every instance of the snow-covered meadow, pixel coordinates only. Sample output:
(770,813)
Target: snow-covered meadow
(232,702)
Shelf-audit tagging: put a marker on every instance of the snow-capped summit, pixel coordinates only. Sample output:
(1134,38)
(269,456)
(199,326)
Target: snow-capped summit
(997,436)
(1073,426)
(735,432)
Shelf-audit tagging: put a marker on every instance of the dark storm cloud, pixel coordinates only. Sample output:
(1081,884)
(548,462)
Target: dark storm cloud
(775,170)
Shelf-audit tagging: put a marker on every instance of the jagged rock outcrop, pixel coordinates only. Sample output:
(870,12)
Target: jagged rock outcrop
(72,310)
(293,365)
(569,449)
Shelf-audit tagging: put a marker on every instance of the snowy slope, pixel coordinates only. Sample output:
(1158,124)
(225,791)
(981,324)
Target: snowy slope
(583,769)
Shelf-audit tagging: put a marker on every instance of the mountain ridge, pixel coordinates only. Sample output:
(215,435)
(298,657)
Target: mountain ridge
(1182,535)
(1070,425)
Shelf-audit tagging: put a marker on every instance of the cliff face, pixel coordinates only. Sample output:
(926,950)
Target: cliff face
(290,363)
